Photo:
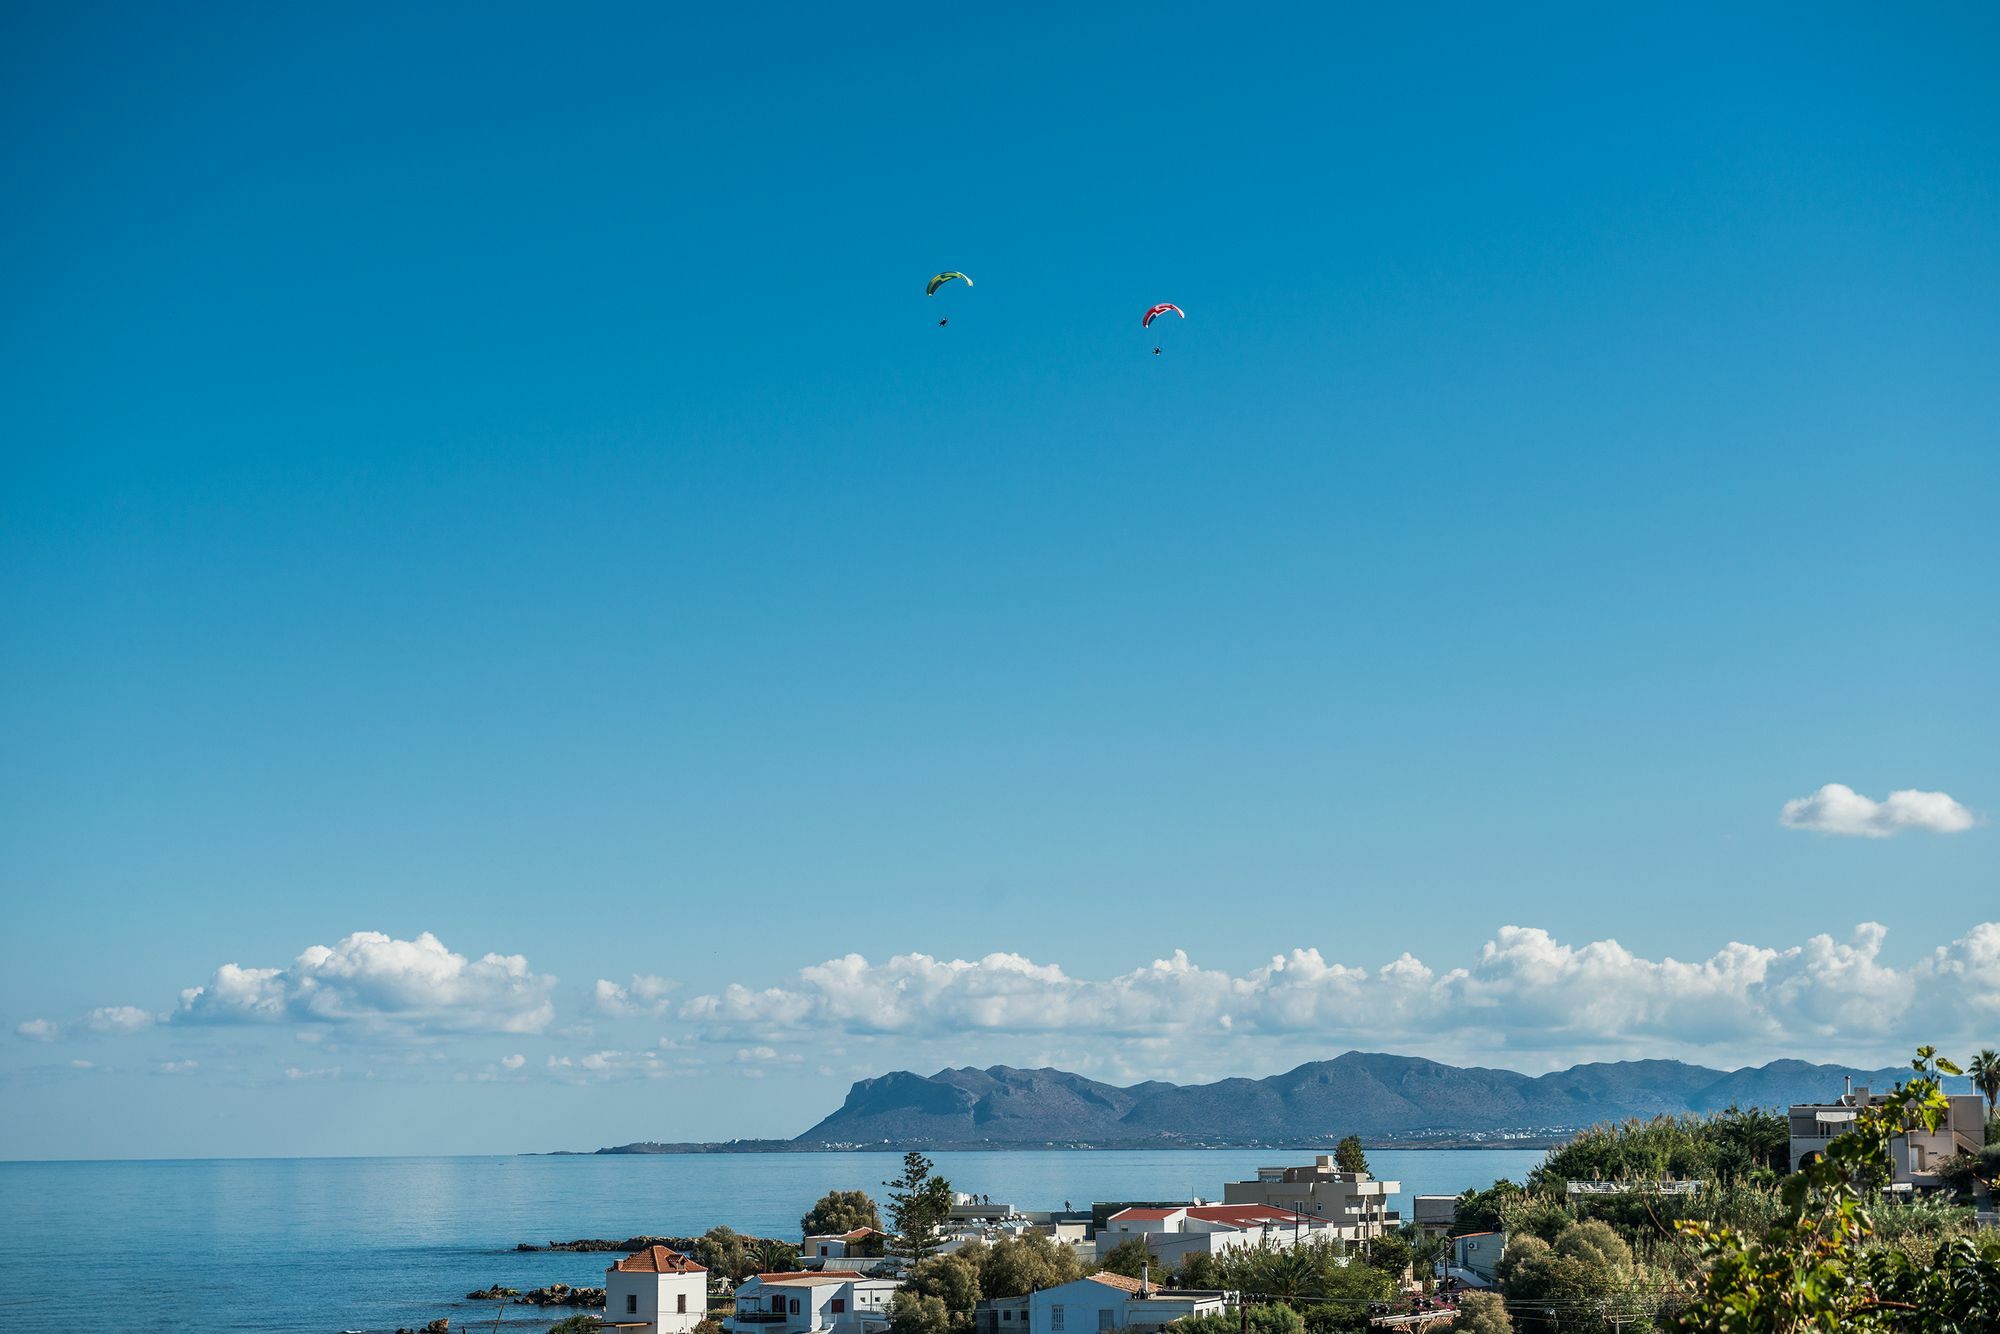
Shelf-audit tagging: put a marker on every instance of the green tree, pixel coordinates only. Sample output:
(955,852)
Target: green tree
(953,1279)
(724,1250)
(774,1257)
(1129,1257)
(1269,1318)
(1199,1269)
(918,1313)
(1388,1253)
(1482,1313)
(1479,1210)
(840,1211)
(1016,1266)
(1985,1072)
(919,1203)
(1347,1155)
(577,1324)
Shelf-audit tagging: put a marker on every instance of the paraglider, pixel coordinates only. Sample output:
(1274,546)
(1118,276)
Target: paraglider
(931,288)
(1155,313)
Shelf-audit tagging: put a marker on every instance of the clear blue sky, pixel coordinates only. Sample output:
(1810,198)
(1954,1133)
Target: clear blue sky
(492,471)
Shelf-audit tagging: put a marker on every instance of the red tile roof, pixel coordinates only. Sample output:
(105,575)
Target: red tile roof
(861,1232)
(1118,1281)
(1245,1215)
(1146,1215)
(658,1260)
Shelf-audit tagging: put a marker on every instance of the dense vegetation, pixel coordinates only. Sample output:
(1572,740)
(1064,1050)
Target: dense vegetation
(1753,1249)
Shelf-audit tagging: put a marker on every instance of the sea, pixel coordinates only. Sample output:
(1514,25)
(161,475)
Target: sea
(320,1245)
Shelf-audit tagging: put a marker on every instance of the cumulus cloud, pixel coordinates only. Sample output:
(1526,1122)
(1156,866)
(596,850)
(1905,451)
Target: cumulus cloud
(374,980)
(514,1062)
(38,1030)
(1525,989)
(646,995)
(1839,810)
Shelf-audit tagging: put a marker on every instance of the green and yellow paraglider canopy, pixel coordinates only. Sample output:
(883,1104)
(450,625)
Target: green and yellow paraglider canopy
(930,288)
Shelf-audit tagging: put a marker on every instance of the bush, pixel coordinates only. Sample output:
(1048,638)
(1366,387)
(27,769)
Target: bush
(1482,1313)
(1267,1319)
(916,1313)
(1019,1265)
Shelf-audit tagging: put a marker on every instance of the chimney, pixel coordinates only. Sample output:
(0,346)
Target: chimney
(1145,1278)
(1847,1094)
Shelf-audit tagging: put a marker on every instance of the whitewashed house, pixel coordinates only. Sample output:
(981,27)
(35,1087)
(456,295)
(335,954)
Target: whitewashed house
(826,1301)
(1207,1229)
(1095,1304)
(862,1249)
(655,1290)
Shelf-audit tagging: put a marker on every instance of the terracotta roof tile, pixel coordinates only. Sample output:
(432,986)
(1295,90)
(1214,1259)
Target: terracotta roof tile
(657,1260)
(1118,1281)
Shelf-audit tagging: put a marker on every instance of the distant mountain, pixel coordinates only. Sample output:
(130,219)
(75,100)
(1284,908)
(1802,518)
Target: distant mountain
(1374,1095)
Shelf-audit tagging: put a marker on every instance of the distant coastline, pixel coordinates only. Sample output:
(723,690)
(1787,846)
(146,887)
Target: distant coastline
(1390,1101)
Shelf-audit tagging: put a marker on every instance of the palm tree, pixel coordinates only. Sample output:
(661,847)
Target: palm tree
(775,1257)
(1985,1072)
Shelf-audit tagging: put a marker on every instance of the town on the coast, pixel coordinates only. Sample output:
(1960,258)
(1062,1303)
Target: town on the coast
(1618,1229)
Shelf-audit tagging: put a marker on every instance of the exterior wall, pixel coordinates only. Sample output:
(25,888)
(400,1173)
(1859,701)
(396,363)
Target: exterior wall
(1356,1204)
(1082,1307)
(1916,1155)
(1474,1259)
(656,1299)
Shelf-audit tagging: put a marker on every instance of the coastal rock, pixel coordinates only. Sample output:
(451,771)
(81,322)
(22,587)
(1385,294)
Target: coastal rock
(492,1294)
(561,1294)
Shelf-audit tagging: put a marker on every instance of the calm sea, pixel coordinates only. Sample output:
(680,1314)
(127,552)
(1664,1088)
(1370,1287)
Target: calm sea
(317,1245)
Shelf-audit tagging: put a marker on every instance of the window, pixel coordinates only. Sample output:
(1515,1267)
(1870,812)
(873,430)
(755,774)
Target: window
(682,1303)
(1103,1320)
(795,1306)
(839,1304)
(778,1304)
(1006,1315)
(1055,1317)
(631,1303)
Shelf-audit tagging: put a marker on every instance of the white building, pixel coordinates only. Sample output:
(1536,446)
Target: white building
(1473,1260)
(1916,1153)
(655,1290)
(827,1301)
(862,1249)
(1207,1229)
(1100,1303)
(1356,1204)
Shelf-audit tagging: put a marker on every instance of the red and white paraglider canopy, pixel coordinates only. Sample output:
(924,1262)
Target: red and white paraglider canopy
(1160,310)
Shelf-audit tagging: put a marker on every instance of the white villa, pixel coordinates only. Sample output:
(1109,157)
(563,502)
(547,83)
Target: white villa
(655,1290)
(1207,1229)
(860,1249)
(1916,1154)
(1094,1305)
(826,1301)
(1354,1203)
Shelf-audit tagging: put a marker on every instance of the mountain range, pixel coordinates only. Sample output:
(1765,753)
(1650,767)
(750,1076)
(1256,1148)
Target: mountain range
(1383,1098)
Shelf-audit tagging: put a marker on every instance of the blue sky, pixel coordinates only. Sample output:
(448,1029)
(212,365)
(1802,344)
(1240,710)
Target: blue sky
(493,472)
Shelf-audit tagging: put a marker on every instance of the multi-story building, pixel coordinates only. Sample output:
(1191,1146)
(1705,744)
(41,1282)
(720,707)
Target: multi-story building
(1354,1203)
(1207,1229)
(1916,1153)
(826,1301)
(1473,1260)
(656,1291)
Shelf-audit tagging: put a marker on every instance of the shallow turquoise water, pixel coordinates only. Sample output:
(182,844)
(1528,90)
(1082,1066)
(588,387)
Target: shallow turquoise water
(316,1245)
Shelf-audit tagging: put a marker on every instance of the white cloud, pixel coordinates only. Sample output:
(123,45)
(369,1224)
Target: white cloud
(119,1019)
(175,1067)
(376,981)
(1839,810)
(603,1066)
(647,994)
(514,1062)
(767,1056)
(38,1030)
(1525,990)
(321,1072)
(80,1064)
